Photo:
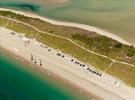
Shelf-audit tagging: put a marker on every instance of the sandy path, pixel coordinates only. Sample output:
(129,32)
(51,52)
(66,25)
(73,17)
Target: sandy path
(103,87)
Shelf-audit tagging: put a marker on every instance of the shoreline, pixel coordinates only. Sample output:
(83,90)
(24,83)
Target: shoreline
(66,69)
(42,71)
(70,24)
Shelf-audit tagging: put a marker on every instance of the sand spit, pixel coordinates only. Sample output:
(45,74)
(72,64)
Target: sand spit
(77,25)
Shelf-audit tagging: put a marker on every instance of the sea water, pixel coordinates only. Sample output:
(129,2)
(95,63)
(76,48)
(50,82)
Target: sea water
(18,82)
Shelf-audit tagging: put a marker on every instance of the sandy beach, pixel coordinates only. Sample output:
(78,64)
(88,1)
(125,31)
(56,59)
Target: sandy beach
(76,25)
(104,86)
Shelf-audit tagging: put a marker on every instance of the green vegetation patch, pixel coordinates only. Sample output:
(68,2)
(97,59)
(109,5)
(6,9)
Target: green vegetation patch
(28,31)
(131,52)
(105,46)
(123,72)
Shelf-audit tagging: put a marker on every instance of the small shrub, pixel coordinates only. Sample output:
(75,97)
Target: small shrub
(131,52)
(118,46)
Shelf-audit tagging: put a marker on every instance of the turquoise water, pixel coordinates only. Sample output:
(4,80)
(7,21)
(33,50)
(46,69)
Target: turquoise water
(18,82)
(22,6)
(117,16)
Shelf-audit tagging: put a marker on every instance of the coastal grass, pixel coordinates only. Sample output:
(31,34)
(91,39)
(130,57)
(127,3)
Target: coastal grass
(31,33)
(122,71)
(75,51)
(106,46)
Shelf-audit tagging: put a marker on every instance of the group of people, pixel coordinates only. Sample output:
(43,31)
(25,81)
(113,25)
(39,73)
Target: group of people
(35,61)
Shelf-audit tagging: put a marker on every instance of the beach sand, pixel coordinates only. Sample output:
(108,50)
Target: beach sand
(76,25)
(103,87)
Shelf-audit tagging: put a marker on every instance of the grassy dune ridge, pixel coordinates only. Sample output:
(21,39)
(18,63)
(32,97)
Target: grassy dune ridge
(89,40)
